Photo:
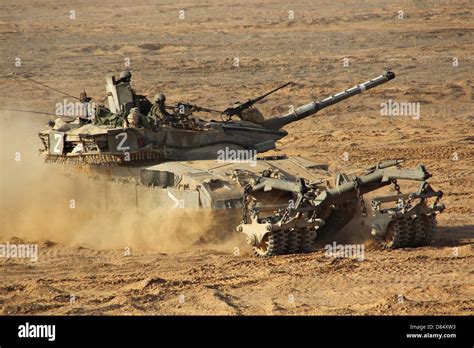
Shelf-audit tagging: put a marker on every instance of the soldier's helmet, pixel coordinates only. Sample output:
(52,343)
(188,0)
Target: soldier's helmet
(159,98)
(125,76)
(133,117)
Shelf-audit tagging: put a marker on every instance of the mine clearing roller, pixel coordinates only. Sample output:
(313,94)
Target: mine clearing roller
(286,217)
(411,222)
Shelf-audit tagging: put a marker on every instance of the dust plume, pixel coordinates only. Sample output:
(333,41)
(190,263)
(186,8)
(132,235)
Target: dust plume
(355,231)
(37,199)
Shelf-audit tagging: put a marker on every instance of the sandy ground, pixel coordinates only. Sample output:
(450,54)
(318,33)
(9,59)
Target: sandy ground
(193,59)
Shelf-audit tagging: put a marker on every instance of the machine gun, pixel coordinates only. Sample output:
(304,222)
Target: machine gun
(237,110)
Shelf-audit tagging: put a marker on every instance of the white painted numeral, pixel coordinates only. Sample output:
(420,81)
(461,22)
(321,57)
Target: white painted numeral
(120,146)
(58,138)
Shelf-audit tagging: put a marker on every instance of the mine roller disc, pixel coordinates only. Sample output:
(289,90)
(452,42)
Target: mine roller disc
(297,241)
(266,247)
(293,242)
(273,243)
(306,241)
(387,240)
(418,232)
(399,234)
(281,242)
(423,229)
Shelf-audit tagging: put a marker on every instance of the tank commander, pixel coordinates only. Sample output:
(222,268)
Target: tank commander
(139,100)
(125,76)
(158,111)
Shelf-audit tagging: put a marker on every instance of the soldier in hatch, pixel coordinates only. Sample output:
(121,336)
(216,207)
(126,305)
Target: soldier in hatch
(135,120)
(139,100)
(158,111)
(125,76)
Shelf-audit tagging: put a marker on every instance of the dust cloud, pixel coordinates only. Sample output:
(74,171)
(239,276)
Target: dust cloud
(37,199)
(355,231)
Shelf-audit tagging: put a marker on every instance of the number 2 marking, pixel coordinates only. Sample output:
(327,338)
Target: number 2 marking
(124,137)
(58,138)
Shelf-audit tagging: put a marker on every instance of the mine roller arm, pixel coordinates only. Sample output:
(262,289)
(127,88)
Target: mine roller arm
(370,182)
(287,228)
(424,191)
(379,175)
(268,184)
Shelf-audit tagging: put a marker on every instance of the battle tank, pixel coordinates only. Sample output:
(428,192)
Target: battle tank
(283,204)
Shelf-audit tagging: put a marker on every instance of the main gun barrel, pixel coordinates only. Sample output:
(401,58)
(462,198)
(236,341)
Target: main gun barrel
(313,107)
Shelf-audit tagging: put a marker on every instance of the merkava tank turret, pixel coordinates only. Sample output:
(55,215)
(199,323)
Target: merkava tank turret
(283,203)
(106,138)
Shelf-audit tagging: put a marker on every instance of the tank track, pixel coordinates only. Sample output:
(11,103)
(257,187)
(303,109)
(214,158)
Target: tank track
(408,232)
(285,242)
(86,159)
(102,159)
